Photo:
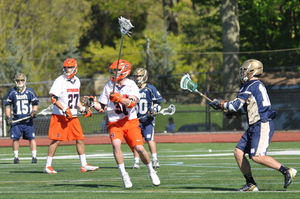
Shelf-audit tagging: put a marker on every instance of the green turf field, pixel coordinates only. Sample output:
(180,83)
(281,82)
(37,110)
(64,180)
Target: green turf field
(187,171)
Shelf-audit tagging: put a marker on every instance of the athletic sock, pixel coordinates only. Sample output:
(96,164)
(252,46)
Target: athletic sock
(33,154)
(249,178)
(82,159)
(16,154)
(122,168)
(283,169)
(49,161)
(137,160)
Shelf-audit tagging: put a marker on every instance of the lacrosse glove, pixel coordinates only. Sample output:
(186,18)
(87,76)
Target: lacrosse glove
(115,97)
(68,113)
(217,104)
(88,101)
(86,112)
(33,114)
(8,120)
(156,108)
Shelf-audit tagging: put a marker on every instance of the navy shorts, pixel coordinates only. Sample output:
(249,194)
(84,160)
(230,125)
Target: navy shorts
(147,130)
(22,129)
(255,141)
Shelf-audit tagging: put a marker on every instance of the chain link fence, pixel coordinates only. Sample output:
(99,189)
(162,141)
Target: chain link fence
(190,115)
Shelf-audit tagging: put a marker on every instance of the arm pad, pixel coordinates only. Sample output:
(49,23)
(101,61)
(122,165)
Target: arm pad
(54,99)
(132,103)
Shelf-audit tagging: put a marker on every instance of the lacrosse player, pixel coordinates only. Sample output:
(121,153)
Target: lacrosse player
(64,124)
(253,100)
(24,103)
(147,108)
(119,98)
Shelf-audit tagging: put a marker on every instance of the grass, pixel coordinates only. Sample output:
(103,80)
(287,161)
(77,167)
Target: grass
(187,171)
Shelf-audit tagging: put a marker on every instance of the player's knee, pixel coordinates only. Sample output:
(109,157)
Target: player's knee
(139,148)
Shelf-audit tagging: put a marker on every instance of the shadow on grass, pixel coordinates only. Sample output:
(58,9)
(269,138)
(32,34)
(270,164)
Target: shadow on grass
(42,171)
(211,188)
(86,185)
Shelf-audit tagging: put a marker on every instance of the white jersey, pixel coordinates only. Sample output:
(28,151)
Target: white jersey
(117,111)
(67,92)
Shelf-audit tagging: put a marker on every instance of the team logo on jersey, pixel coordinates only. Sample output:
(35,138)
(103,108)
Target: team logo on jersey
(73,90)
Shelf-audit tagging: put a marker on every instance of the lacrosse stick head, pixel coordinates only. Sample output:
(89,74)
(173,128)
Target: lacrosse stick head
(168,111)
(125,25)
(187,84)
(46,111)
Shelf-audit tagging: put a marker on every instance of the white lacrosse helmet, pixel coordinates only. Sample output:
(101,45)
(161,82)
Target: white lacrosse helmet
(250,68)
(20,81)
(140,76)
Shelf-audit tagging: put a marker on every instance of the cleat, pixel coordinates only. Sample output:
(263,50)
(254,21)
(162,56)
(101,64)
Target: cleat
(126,180)
(16,161)
(155,164)
(155,179)
(136,166)
(248,187)
(87,168)
(49,170)
(288,176)
(34,160)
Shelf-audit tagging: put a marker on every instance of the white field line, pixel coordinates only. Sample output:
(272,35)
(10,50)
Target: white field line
(148,191)
(130,155)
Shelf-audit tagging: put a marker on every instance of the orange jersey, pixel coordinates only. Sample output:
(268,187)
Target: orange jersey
(63,129)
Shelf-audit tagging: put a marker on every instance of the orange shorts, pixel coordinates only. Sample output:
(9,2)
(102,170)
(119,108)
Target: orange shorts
(62,129)
(128,129)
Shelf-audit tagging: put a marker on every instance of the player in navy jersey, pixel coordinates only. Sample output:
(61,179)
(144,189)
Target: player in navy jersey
(148,106)
(253,101)
(23,102)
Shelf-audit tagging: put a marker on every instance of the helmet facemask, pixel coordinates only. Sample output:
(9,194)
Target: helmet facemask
(250,68)
(20,81)
(140,76)
(70,68)
(122,69)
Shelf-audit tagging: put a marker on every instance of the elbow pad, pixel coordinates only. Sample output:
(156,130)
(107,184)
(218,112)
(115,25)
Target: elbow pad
(54,99)
(132,103)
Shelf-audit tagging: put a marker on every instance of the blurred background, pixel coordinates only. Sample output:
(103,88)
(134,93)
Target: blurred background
(209,39)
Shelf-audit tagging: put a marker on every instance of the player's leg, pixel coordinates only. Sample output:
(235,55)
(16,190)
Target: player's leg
(243,163)
(266,131)
(116,136)
(75,133)
(136,163)
(15,135)
(135,141)
(30,135)
(32,145)
(51,152)
(15,146)
(148,134)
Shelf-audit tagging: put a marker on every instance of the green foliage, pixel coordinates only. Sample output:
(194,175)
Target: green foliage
(276,27)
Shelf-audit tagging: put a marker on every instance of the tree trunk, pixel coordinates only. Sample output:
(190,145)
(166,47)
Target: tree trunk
(230,40)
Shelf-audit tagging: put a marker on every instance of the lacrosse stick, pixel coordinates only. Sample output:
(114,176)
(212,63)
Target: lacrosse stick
(187,84)
(46,111)
(125,26)
(166,111)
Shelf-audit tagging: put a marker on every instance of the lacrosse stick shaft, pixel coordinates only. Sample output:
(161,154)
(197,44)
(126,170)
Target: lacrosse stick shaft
(202,95)
(19,120)
(119,57)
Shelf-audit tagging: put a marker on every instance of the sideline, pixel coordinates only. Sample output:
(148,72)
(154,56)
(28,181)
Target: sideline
(167,138)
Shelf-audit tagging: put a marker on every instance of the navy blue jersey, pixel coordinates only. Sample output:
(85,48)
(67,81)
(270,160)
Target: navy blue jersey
(21,102)
(149,95)
(257,102)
